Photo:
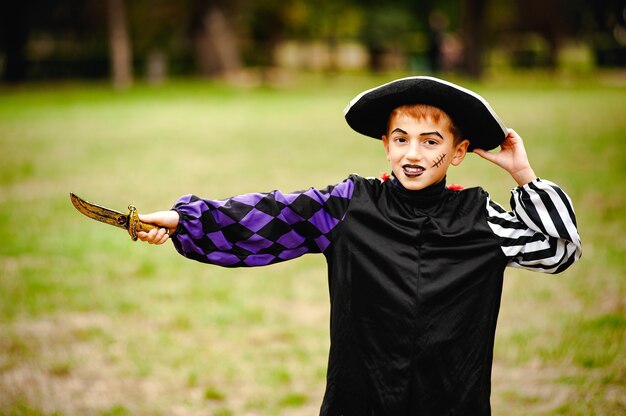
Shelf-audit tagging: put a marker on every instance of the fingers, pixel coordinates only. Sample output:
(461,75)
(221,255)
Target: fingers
(156,236)
(150,218)
(486,155)
(511,142)
(513,134)
(164,219)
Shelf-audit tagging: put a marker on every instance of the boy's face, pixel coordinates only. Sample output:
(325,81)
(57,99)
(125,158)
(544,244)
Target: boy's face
(421,150)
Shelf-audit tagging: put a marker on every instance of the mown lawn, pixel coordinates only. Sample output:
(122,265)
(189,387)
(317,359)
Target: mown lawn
(94,324)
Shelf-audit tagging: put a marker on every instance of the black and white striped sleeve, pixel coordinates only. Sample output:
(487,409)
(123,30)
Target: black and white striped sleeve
(540,233)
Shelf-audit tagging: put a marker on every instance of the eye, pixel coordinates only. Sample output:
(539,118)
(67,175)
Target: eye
(400,139)
(431,142)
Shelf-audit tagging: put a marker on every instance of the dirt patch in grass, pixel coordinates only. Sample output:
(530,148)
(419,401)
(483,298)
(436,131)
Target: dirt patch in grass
(540,389)
(91,364)
(67,365)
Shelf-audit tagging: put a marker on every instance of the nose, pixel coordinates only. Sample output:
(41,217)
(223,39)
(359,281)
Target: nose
(413,152)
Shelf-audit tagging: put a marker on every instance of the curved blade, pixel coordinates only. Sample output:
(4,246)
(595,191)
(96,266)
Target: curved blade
(99,213)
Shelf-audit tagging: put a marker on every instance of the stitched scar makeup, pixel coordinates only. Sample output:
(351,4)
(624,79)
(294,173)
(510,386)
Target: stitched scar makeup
(439,161)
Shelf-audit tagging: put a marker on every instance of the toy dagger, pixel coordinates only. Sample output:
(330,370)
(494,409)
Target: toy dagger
(130,221)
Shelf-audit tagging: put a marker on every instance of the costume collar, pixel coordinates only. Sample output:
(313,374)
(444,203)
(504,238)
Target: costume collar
(428,196)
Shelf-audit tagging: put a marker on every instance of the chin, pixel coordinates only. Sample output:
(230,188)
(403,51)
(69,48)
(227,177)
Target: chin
(418,183)
(413,185)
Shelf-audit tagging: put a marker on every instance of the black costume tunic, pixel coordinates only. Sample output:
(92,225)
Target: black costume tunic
(415,278)
(415,284)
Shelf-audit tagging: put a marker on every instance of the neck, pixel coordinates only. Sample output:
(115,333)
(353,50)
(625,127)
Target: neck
(427,196)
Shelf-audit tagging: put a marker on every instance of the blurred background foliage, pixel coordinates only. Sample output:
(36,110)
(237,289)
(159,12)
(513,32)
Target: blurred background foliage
(243,39)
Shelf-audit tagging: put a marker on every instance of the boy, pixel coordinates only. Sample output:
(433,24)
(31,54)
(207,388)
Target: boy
(415,269)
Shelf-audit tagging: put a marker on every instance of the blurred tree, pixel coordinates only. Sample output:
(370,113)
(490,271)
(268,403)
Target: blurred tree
(14,36)
(215,40)
(473,14)
(439,21)
(387,28)
(605,26)
(64,38)
(119,44)
(325,23)
(266,23)
(161,35)
(534,31)
(545,19)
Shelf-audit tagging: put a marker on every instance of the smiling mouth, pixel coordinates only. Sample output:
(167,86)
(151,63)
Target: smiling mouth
(413,171)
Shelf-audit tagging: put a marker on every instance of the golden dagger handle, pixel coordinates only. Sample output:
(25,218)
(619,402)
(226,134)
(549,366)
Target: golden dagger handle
(134,224)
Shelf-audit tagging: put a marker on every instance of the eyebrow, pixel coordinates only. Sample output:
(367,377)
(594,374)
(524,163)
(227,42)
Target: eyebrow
(435,133)
(428,133)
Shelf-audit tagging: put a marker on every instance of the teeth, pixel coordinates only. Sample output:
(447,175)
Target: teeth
(413,169)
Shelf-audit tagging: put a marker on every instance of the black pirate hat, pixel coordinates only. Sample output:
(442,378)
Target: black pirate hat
(369,111)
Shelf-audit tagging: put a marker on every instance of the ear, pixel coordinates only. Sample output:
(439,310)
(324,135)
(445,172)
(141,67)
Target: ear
(386,145)
(460,152)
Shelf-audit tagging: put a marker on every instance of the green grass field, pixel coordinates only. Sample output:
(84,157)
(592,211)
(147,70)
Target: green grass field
(94,324)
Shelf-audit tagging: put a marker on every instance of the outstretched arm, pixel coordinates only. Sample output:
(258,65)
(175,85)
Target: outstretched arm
(252,229)
(512,157)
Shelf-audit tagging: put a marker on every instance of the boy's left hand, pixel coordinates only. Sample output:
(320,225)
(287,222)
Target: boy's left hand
(512,157)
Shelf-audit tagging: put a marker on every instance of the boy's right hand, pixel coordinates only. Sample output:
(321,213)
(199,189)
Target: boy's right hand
(167,221)
(512,157)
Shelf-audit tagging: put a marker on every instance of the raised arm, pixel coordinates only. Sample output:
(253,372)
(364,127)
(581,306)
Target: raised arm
(540,233)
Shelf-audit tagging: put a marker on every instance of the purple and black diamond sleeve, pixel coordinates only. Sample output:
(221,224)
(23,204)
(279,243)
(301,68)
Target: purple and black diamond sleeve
(260,228)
